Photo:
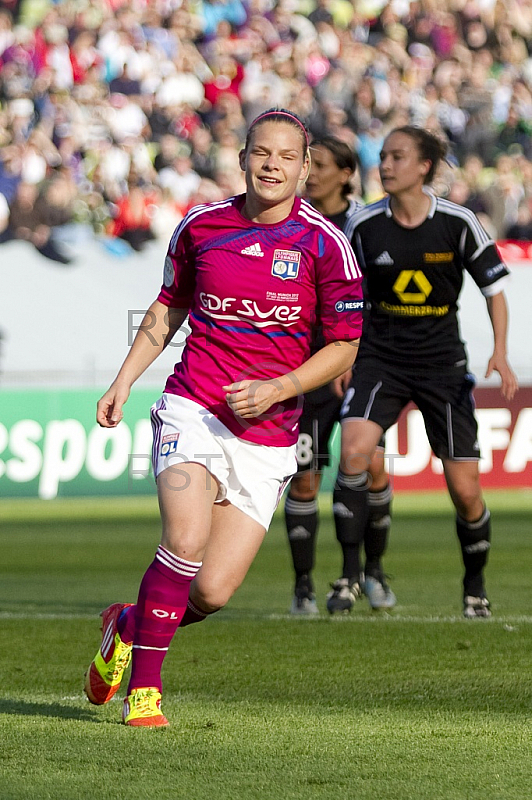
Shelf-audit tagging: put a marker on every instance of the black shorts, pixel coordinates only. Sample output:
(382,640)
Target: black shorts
(321,410)
(320,413)
(379,392)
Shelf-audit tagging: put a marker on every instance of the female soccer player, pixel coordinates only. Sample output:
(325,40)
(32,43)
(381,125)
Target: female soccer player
(413,249)
(249,271)
(328,188)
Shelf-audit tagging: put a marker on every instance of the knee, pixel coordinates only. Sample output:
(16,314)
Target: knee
(377,473)
(189,545)
(211,598)
(353,461)
(304,488)
(359,439)
(468,501)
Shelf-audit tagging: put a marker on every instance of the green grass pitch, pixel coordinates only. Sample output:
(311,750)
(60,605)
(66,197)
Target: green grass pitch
(414,705)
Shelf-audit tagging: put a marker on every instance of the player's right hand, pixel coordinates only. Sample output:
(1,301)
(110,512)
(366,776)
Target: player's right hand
(109,409)
(340,385)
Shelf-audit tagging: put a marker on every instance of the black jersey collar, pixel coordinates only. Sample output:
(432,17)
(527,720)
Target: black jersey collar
(432,209)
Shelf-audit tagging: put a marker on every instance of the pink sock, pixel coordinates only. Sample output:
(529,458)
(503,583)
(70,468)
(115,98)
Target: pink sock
(126,621)
(193,614)
(126,624)
(163,597)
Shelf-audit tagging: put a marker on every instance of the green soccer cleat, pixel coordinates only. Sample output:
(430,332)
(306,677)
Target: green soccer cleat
(103,678)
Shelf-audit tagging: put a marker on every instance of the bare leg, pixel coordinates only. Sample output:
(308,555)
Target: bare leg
(233,544)
(463,482)
(186,497)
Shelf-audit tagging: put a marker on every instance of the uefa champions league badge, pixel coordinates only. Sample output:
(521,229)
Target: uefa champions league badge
(169,271)
(285,264)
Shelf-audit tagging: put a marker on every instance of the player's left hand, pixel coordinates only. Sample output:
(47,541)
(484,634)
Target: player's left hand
(509,385)
(252,398)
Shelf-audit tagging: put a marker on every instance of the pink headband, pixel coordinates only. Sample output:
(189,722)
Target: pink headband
(282,114)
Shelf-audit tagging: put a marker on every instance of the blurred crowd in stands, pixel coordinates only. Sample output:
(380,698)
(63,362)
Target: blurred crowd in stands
(117,116)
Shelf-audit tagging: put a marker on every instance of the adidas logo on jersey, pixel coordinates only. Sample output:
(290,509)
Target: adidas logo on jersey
(384,259)
(252,250)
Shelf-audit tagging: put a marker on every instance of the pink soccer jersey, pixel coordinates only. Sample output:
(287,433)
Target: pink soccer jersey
(253,292)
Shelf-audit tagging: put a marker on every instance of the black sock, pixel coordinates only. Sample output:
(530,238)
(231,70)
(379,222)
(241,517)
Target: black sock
(378,527)
(474,538)
(301,517)
(350,508)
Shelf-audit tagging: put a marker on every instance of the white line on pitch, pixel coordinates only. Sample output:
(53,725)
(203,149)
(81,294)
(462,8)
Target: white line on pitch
(372,618)
(397,617)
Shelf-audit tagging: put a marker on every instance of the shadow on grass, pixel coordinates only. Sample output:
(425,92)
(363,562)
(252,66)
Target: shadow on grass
(22,708)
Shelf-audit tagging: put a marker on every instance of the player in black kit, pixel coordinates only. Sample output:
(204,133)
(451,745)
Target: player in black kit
(413,248)
(327,188)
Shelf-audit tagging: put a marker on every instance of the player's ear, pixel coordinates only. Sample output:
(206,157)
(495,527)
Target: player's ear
(242,160)
(345,175)
(305,169)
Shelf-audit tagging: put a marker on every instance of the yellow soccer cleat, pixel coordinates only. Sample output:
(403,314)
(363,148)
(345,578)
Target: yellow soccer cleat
(103,678)
(142,709)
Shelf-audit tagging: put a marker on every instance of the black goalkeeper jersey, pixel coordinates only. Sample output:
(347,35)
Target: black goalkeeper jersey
(323,394)
(413,277)
(340,220)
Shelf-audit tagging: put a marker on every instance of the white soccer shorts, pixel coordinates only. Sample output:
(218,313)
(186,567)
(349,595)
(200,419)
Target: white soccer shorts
(250,476)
